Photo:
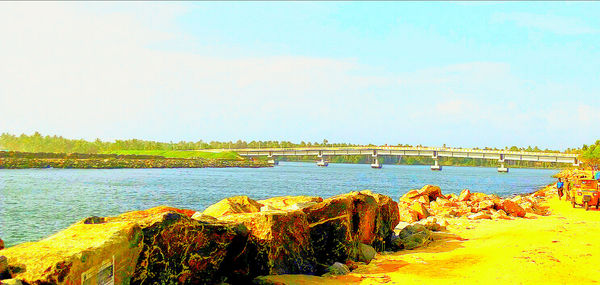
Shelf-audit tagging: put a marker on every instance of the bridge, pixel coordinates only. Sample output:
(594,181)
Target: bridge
(501,156)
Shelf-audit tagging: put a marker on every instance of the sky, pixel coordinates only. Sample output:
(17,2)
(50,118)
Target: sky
(465,74)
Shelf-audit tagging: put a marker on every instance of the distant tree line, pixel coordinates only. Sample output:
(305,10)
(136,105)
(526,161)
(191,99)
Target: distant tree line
(591,154)
(40,143)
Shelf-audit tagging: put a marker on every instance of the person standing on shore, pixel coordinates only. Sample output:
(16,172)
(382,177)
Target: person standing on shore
(559,187)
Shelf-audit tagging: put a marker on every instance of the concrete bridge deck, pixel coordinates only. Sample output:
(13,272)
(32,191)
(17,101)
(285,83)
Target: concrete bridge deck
(500,155)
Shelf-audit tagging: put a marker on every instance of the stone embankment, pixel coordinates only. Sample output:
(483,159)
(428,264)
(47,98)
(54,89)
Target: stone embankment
(240,240)
(20,160)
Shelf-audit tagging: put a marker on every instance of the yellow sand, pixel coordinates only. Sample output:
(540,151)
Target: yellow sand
(557,249)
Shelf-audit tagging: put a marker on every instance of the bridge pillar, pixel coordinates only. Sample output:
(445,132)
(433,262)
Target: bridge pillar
(375,161)
(322,162)
(502,168)
(436,166)
(576,162)
(271,159)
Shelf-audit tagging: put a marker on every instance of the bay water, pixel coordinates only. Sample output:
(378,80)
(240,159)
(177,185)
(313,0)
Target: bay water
(35,203)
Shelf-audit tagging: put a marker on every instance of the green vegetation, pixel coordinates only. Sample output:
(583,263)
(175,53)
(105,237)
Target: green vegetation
(590,155)
(226,155)
(40,143)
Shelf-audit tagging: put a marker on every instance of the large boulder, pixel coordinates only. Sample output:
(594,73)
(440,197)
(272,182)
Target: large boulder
(340,223)
(291,202)
(512,208)
(233,205)
(363,209)
(387,218)
(161,245)
(366,253)
(407,214)
(420,209)
(337,269)
(278,242)
(414,236)
(332,241)
(429,192)
(373,216)
(84,252)
(432,191)
(178,249)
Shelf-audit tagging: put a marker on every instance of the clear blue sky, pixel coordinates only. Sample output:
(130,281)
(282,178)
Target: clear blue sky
(462,74)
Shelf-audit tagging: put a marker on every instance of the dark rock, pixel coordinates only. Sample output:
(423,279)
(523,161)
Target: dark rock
(396,244)
(372,216)
(178,249)
(366,253)
(387,219)
(4,267)
(11,282)
(512,208)
(332,240)
(278,243)
(414,236)
(93,220)
(340,223)
(337,269)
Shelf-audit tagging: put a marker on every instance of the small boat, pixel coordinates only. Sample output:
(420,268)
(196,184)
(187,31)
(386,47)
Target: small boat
(273,162)
(322,163)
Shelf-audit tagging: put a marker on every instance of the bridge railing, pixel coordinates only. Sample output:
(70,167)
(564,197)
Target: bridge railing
(570,155)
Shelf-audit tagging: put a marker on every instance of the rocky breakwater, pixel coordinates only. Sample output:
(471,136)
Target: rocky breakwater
(119,161)
(234,241)
(428,204)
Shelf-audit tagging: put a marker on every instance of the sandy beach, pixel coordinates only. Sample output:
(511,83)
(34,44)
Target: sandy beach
(561,248)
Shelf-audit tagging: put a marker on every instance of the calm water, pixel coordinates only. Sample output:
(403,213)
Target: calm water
(35,203)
